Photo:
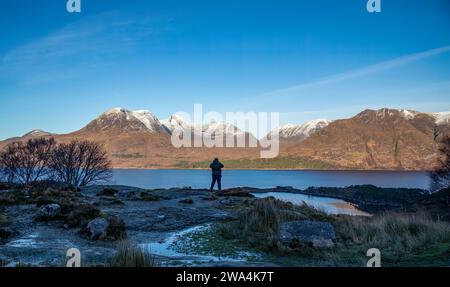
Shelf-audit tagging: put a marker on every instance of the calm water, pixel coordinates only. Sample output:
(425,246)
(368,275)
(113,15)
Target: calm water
(268,179)
(326,204)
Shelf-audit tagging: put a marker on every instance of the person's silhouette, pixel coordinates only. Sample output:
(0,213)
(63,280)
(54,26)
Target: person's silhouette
(216,167)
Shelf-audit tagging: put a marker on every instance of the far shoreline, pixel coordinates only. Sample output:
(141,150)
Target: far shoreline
(274,169)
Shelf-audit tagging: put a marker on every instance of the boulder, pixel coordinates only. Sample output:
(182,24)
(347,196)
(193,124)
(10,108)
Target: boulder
(316,234)
(106,229)
(48,212)
(97,228)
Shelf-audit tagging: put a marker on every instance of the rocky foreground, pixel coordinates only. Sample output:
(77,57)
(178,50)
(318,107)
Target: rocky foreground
(39,224)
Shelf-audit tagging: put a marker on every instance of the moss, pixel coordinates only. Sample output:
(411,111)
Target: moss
(81,215)
(116,229)
(14,197)
(108,192)
(4,219)
(208,241)
(147,196)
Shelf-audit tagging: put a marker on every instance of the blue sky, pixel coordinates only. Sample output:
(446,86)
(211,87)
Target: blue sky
(305,59)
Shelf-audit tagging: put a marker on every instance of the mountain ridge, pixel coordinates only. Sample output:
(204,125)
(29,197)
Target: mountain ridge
(390,139)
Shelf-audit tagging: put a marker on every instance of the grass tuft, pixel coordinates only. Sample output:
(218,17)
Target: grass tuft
(129,255)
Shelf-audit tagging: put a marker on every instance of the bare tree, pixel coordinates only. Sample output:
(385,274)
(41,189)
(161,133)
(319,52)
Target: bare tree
(80,163)
(440,178)
(27,162)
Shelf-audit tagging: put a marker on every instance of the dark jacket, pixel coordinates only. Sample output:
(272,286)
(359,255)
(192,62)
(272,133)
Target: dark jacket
(216,167)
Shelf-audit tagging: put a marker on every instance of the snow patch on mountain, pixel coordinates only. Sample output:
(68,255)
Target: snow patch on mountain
(176,122)
(409,115)
(302,131)
(141,119)
(442,118)
(37,133)
(222,128)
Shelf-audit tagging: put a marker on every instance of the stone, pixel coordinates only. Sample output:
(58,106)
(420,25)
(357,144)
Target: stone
(110,228)
(316,234)
(48,212)
(97,228)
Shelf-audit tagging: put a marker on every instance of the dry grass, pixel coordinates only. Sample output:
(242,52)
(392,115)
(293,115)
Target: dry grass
(129,255)
(396,234)
(258,224)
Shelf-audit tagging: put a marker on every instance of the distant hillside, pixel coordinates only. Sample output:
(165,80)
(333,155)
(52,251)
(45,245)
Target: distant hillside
(383,139)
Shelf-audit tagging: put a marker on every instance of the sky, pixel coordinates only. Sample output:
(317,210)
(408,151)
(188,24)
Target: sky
(304,59)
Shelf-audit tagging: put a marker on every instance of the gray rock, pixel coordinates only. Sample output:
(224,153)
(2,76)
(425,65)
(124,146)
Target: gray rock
(314,233)
(97,228)
(48,212)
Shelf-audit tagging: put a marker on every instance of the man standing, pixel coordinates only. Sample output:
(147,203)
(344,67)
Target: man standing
(216,167)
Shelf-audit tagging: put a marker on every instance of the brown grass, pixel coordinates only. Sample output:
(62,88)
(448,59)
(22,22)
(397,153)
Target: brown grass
(258,225)
(394,233)
(129,255)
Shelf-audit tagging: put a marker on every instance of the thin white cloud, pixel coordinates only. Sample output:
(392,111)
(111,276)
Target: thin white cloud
(87,41)
(369,70)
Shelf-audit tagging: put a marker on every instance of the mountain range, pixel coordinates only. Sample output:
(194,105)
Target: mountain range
(374,139)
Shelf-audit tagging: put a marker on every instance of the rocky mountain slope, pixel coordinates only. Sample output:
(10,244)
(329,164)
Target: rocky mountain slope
(382,139)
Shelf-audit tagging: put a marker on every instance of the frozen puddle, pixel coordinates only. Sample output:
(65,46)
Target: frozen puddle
(33,240)
(166,249)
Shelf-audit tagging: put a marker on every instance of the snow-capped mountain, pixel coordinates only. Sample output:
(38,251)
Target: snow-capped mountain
(37,133)
(126,120)
(381,139)
(442,118)
(221,128)
(300,132)
(176,122)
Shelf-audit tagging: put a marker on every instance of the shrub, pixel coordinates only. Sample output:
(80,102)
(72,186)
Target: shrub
(116,229)
(26,162)
(81,215)
(80,163)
